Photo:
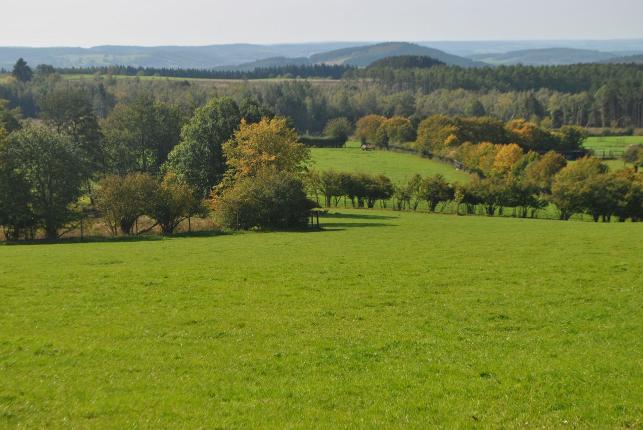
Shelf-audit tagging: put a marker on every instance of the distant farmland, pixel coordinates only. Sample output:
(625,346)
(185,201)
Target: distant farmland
(400,167)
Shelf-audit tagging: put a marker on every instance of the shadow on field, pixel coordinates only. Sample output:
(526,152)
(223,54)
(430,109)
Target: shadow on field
(118,239)
(338,215)
(342,226)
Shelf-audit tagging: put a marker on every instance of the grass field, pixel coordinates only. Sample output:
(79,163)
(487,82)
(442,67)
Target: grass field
(612,147)
(396,165)
(611,144)
(383,320)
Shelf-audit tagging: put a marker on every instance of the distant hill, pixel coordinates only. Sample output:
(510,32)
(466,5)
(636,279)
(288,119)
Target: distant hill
(272,62)
(546,57)
(362,56)
(620,47)
(629,59)
(197,57)
(406,62)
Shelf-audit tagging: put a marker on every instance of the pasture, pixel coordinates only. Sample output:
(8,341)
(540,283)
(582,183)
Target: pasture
(398,166)
(383,320)
(611,146)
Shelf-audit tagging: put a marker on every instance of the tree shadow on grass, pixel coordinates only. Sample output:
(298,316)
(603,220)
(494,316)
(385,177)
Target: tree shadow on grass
(342,226)
(340,215)
(115,239)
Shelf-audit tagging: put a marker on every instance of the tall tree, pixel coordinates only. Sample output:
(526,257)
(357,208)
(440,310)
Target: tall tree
(21,71)
(15,196)
(198,159)
(140,135)
(55,169)
(269,144)
(69,109)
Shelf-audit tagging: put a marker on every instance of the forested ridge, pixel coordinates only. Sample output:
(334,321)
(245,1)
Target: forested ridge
(590,95)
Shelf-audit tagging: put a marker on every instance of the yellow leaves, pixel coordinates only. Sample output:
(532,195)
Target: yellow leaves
(367,127)
(269,143)
(506,157)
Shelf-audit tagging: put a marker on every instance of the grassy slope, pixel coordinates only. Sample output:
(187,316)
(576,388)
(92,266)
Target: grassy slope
(386,320)
(608,143)
(398,166)
(614,146)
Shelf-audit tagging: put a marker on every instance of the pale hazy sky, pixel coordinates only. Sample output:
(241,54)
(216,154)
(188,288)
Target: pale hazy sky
(200,22)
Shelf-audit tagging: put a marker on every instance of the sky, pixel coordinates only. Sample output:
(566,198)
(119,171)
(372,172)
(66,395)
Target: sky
(201,22)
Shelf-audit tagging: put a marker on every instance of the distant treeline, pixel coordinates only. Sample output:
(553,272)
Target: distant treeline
(302,71)
(566,79)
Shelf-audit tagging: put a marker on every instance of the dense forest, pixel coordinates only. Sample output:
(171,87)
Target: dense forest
(292,71)
(584,95)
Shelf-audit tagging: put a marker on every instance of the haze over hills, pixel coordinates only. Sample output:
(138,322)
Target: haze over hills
(630,59)
(250,56)
(360,56)
(365,55)
(163,56)
(546,57)
(472,48)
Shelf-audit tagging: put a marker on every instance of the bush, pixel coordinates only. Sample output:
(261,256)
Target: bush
(123,199)
(338,129)
(174,201)
(634,155)
(271,199)
(435,190)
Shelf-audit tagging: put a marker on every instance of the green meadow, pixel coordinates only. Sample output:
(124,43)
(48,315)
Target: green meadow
(381,320)
(398,166)
(611,143)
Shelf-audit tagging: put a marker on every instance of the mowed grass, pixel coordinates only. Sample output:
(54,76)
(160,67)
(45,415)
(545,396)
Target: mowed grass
(400,167)
(385,319)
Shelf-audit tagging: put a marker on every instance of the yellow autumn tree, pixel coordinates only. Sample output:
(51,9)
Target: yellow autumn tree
(367,127)
(506,157)
(268,144)
(484,155)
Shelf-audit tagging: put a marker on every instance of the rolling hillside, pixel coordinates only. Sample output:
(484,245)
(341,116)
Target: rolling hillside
(545,57)
(629,59)
(162,56)
(398,166)
(363,56)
